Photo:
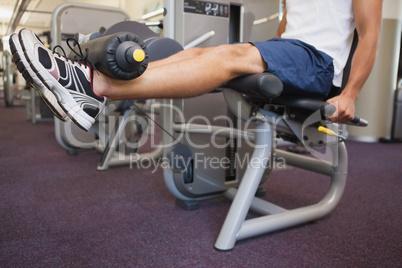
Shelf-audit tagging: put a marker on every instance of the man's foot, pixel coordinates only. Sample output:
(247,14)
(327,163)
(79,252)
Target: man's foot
(69,81)
(25,69)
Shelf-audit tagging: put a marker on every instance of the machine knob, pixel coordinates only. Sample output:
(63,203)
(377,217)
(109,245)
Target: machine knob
(130,56)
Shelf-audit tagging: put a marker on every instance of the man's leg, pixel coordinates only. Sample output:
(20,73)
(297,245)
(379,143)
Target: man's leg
(187,74)
(182,55)
(79,91)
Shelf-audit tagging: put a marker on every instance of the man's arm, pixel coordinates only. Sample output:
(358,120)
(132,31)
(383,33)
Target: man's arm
(282,24)
(368,15)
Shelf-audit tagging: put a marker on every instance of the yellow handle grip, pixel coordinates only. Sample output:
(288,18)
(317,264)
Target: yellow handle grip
(326,131)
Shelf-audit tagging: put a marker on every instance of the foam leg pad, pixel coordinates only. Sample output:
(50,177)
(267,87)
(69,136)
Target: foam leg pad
(121,55)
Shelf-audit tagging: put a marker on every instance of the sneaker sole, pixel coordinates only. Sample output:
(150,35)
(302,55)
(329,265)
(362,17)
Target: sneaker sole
(63,96)
(26,71)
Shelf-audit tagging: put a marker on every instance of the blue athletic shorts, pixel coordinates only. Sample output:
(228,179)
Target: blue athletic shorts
(303,69)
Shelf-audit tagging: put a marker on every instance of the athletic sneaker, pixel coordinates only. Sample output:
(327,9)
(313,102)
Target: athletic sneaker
(70,81)
(25,69)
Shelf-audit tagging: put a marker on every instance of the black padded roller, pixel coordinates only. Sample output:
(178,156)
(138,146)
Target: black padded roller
(158,47)
(263,86)
(121,55)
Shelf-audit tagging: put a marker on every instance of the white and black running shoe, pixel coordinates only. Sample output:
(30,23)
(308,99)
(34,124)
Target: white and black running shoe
(69,81)
(25,69)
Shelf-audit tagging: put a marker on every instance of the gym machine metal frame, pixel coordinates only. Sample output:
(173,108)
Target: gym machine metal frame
(269,124)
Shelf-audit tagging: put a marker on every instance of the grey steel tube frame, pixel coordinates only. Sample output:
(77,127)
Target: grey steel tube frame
(236,227)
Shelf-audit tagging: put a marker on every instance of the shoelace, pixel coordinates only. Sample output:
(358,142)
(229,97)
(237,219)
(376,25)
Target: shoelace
(79,56)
